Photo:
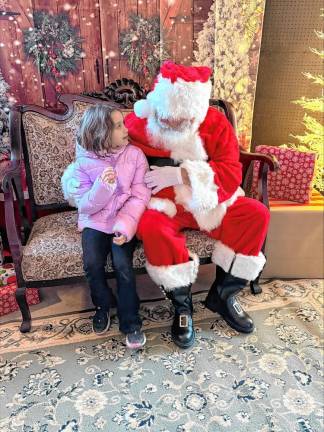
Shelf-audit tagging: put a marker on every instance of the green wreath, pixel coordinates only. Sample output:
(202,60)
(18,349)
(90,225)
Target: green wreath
(53,44)
(142,45)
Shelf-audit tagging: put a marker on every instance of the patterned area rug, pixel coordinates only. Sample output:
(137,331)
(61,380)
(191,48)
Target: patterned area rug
(61,377)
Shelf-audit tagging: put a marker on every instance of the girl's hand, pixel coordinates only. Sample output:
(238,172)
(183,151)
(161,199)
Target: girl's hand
(119,239)
(108,176)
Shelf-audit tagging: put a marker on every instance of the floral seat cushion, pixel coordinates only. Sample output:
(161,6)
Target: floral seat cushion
(54,249)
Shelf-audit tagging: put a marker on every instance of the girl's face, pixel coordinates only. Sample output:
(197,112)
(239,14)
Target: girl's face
(119,135)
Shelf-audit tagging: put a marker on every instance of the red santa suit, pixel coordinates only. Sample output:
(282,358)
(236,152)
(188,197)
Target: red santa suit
(205,146)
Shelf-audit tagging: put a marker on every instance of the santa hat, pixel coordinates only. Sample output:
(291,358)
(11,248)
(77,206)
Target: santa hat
(178,92)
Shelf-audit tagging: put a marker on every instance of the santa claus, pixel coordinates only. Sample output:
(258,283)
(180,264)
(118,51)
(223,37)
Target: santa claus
(195,179)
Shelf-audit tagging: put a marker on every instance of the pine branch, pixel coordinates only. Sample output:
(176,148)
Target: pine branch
(311,104)
(317,79)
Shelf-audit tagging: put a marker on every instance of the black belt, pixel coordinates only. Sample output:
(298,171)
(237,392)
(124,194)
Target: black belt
(161,162)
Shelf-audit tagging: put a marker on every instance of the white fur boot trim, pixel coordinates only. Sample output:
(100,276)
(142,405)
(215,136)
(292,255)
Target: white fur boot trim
(223,255)
(163,205)
(248,266)
(174,276)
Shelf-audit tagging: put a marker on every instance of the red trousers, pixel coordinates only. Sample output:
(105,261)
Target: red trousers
(243,230)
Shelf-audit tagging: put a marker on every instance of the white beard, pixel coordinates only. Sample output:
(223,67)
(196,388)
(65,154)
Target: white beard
(183,144)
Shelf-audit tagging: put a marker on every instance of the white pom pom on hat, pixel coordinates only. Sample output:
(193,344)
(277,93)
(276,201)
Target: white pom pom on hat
(142,108)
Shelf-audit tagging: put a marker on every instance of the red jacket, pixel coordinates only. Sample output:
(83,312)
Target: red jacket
(215,181)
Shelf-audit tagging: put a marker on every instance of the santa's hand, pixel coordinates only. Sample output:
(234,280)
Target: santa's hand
(162,177)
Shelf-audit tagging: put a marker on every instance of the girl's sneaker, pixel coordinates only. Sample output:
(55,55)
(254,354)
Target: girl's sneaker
(101,321)
(135,340)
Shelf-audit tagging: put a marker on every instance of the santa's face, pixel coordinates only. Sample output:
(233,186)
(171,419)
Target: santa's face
(173,107)
(182,124)
(180,136)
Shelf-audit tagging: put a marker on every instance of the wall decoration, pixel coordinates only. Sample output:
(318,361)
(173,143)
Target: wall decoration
(92,44)
(54,45)
(142,45)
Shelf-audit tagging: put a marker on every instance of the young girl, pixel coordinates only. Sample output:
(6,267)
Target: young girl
(108,188)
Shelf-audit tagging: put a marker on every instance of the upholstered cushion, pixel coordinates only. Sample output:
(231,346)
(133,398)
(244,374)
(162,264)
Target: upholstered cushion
(51,147)
(54,248)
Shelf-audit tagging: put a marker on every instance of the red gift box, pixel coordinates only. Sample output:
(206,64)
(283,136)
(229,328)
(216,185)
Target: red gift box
(8,288)
(8,300)
(293,180)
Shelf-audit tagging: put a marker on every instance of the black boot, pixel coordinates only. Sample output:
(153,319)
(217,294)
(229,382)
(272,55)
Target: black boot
(221,298)
(182,331)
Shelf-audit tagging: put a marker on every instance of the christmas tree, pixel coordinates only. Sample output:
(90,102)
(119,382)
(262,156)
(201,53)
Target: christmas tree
(4,119)
(312,140)
(240,26)
(206,41)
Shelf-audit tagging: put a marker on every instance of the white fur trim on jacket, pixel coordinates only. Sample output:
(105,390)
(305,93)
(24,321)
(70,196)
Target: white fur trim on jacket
(163,205)
(70,186)
(209,220)
(244,266)
(174,276)
(204,195)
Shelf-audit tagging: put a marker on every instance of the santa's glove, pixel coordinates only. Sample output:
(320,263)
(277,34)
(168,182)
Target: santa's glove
(162,177)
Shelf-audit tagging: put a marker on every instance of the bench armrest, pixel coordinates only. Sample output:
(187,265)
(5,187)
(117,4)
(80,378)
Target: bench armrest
(271,161)
(267,163)
(9,171)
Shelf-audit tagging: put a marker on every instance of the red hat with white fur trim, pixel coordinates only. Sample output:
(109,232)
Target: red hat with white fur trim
(178,92)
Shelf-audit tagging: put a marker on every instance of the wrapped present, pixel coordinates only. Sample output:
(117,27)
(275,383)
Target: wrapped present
(293,180)
(8,288)
(8,301)
(7,274)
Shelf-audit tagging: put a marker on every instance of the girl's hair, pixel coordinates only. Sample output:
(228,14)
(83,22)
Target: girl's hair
(96,128)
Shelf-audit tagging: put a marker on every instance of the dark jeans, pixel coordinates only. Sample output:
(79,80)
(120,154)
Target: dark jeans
(96,245)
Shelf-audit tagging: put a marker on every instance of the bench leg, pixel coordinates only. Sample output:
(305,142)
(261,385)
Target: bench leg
(24,309)
(255,286)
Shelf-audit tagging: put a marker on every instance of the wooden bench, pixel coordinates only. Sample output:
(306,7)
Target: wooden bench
(46,250)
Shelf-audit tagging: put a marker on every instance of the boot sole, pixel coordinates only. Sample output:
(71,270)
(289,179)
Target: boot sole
(230,323)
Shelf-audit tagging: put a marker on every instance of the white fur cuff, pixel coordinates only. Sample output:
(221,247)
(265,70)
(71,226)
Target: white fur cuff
(174,276)
(163,205)
(248,266)
(223,255)
(204,190)
(244,266)
(211,219)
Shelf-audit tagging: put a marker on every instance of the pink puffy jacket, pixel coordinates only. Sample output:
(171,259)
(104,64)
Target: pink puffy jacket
(108,208)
